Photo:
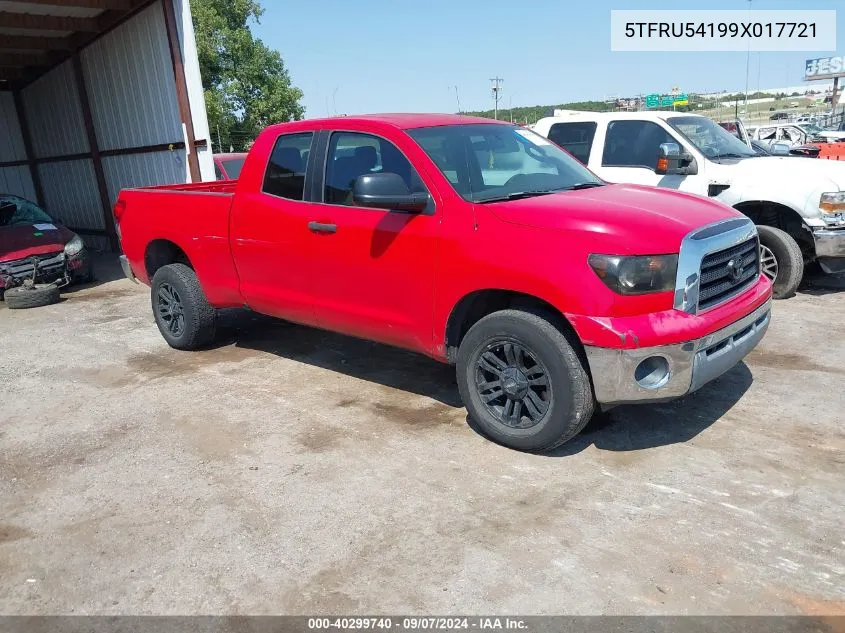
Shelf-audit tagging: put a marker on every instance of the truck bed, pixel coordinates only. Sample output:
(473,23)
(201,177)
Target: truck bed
(193,217)
(219,187)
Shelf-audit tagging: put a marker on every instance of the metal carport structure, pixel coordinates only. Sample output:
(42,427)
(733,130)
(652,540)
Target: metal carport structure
(96,95)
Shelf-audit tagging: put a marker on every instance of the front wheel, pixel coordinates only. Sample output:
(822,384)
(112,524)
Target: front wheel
(184,317)
(522,381)
(781,261)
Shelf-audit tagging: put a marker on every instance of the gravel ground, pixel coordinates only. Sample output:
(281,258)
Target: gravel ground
(294,471)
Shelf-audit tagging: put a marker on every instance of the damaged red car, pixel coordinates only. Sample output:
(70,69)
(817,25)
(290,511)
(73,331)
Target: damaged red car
(35,247)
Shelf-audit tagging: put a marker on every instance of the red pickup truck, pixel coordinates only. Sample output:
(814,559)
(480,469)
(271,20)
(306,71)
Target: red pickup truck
(473,241)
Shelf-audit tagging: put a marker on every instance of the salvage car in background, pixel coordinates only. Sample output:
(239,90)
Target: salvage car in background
(37,255)
(797,204)
(228,166)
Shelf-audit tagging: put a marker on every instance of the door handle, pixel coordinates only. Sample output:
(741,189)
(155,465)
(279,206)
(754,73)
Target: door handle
(319,227)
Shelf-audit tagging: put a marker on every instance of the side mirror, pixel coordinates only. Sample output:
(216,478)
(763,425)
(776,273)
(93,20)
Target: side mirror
(387,191)
(780,149)
(670,160)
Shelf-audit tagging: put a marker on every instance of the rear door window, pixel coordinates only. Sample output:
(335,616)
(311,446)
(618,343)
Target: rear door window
(285,175)
(575,138)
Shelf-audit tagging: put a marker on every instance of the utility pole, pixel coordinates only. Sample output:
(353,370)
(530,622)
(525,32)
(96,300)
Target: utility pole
(457,99)
(496,89)
(747,63)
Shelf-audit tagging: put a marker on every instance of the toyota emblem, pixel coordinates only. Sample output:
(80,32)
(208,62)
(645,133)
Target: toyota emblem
(735,269)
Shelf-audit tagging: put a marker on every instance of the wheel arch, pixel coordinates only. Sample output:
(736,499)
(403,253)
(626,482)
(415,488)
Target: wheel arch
(161,252)
(475,305)
(781,217)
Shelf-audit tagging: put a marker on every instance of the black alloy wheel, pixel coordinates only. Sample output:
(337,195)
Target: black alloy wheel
(513,384)
(170,309)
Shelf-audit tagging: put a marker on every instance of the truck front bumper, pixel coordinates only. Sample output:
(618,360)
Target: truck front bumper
(665,372)
(830,249)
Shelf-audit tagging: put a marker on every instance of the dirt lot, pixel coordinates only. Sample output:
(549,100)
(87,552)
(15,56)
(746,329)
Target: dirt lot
(294,471)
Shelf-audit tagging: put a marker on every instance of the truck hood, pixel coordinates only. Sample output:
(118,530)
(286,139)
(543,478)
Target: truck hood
(808,172)
(17,242)
(622,219)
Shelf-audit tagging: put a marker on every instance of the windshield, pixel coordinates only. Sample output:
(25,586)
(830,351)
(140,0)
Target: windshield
(16,211)
(233,167)
(810,128)
(486,162)
(709,138)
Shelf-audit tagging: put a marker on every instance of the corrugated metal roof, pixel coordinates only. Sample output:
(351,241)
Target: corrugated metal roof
(49,9)
(11,142)
(142,170)
(54,114)
(17,181)
(34,32)
(130,84)
(70,193)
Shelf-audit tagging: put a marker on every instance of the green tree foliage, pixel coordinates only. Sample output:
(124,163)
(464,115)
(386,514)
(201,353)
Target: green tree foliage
(246,84)
(531,114)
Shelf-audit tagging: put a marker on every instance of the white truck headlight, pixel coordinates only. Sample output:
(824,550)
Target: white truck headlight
(74,246)
(832,207)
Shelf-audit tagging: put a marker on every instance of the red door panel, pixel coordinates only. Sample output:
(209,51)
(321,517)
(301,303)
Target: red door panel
(271,243)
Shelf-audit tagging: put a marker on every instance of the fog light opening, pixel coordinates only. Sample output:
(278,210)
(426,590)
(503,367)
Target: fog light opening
(652,373)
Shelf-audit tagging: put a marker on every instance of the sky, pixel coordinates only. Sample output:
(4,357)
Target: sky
(409,56)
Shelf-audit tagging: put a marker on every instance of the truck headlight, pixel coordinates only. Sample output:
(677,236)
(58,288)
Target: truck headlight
(832,206)
(636,275)
(74,246)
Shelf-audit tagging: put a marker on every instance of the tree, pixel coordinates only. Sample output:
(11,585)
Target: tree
(246,84)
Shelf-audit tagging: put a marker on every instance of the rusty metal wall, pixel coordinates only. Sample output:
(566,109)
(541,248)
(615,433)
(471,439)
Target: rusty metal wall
(130,84)
(70,193)
(54,114)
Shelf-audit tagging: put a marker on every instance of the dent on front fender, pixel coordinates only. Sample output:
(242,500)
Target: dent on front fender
(667,327)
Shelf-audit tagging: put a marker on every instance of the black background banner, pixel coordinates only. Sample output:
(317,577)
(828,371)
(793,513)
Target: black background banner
(416,623)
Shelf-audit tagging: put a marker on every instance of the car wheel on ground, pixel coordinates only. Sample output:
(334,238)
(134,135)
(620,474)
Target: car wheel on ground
(182,313)
(781,261)
(31,296)
(523,382)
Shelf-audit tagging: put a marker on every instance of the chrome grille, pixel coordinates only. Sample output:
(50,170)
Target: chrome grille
(726,273)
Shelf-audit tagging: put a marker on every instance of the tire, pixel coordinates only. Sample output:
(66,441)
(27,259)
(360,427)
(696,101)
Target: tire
(568,394)
(788,259)
(23,297)
(198,318)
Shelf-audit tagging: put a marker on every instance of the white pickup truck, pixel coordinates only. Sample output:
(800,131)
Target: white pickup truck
(798,204)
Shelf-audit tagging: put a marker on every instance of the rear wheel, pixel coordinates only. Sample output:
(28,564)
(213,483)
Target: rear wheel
(781,261)
(522,381)
(184,317)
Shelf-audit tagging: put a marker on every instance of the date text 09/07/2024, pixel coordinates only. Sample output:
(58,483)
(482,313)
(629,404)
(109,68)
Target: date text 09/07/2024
(721,29)
(417,624)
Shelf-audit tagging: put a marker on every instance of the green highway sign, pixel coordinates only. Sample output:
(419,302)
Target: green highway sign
(655,100)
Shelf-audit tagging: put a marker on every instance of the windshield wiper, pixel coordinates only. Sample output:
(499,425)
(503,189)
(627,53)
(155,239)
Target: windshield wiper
(518,195)
(583,185)
(730,155)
